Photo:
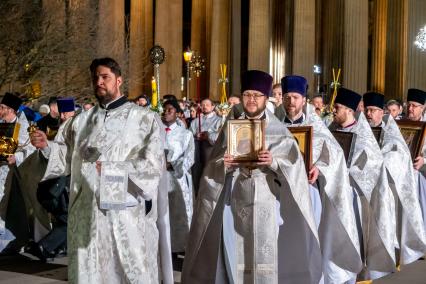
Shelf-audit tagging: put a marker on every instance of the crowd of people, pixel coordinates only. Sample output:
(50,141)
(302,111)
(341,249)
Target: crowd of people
(125,191)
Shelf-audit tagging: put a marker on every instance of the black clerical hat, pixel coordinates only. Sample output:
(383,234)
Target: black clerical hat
(296,84)
(348,98)
(374,99)
(416,95)
(11,101)
(258,81)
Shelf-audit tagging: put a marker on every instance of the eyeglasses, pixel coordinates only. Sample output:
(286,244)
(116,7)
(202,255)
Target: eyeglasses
(414,105)
(252,96)
(372,110)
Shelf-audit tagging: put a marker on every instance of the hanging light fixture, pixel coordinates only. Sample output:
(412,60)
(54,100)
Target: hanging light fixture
(420,41)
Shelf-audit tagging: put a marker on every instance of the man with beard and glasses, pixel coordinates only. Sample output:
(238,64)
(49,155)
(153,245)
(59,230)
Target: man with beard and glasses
(411,242)
(254,223)
(114,153)
(416,101)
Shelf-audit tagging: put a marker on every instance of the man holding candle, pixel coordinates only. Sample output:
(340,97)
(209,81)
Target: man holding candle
(205,128)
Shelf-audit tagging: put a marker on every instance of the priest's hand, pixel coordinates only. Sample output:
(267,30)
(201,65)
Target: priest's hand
(38,139)
(11,160)
(419,162)
(228,161)
(265,158)
(313,175)
(98,167)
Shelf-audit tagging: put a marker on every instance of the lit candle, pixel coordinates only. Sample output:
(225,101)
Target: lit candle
(182,83)
(154,100)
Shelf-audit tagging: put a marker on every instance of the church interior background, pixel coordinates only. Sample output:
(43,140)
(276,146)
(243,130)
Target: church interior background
(47,45)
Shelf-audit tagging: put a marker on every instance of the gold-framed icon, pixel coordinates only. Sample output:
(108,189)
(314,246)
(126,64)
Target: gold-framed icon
(246,137)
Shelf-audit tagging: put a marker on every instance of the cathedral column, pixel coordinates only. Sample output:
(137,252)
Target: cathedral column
(141,40)
(235,66)
(219,48)
(199,24)
(168,34)
(416,65)
(111,36)
(396,53)
(355,54)
(259,35)
(304,40)
(378,56)
(331,43)
(282,39)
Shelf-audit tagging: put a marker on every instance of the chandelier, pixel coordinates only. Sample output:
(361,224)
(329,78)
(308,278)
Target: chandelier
(420,41)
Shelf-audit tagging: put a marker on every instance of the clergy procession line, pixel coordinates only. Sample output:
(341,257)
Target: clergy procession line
(124,192)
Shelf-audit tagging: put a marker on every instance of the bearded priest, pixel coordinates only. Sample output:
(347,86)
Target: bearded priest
(254,225)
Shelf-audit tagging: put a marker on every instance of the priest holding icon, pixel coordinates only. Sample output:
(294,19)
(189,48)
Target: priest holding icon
(254,220)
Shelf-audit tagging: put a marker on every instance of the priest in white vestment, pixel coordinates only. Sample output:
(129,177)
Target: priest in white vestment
(254,225)
(410,233)
(179,160)
(416,100)
(205,135)
(10,179)
(112,232)
(329,186)
(374,204)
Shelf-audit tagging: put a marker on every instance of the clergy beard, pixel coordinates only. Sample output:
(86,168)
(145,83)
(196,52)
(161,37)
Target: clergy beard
(104,99)
(254,114)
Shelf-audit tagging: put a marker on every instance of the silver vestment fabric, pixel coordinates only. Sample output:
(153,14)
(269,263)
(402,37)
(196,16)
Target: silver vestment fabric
(421,181)
(262,255)
(401,176)
(369,180)
(337,232)
(108,246)
(180,154)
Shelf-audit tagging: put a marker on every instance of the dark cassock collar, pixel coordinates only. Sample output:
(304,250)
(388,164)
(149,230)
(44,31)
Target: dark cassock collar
(297,121)
(115,104)
(261,116)
(381,124)
(348,127)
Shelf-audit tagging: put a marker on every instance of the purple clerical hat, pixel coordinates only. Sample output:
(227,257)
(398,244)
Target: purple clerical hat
(348,98)
(374,99)
(294,84)
(66,105)
(258,81)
